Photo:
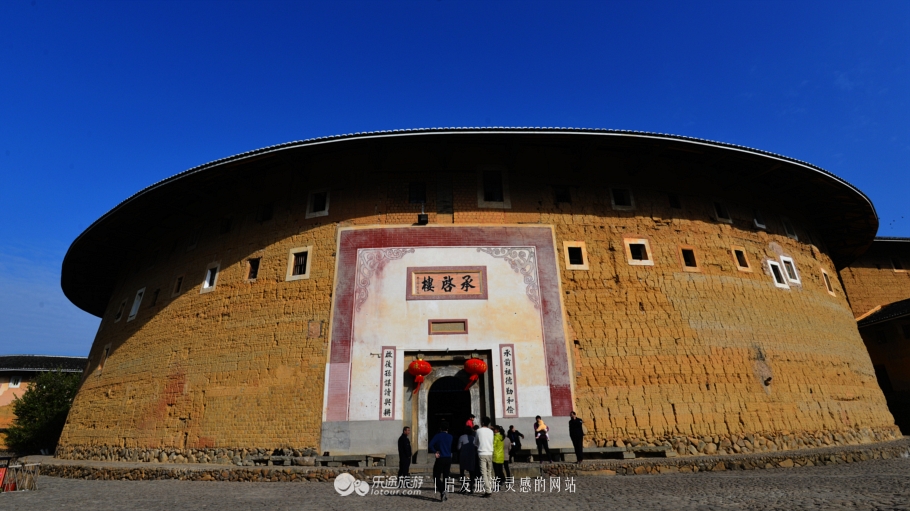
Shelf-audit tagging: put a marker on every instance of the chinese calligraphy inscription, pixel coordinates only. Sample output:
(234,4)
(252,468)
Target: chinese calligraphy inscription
(509,383)
(447,283)
(387,379)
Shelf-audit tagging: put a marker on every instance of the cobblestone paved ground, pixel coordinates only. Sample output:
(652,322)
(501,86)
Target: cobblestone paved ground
(880,484)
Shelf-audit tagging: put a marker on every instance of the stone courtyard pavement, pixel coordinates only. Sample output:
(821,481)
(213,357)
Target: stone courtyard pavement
(878,484)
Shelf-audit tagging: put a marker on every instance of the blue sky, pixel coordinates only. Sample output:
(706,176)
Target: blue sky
(100,99)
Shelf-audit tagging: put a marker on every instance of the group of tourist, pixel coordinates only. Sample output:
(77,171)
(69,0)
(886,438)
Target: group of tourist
(485,451)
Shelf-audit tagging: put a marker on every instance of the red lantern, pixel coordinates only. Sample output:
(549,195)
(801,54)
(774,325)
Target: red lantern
(418,369)
(475,367)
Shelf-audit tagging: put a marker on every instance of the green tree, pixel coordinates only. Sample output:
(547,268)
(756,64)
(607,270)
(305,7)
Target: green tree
(41,412)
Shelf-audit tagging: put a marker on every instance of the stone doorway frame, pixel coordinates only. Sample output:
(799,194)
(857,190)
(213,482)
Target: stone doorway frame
(445,363)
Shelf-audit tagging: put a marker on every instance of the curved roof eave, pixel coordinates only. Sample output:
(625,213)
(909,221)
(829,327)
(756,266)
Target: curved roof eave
(454,131)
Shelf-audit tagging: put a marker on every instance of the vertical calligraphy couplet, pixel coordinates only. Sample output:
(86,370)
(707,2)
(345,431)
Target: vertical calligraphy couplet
(387,381)
(509,383)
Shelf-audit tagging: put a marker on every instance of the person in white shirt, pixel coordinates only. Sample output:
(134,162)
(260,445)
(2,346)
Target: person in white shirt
(484,443)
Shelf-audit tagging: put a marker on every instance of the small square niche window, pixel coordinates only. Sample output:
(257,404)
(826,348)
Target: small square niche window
(265,212)
(790,269)
(299,261)
(896,264)
(194,239)
(178,285)
(136,302)
(758,219)
(674,201)
(740,259)
(621,199)
(827,280)
(778,275)
(493,189)
(417,193)
(576,256)
(317,203)
(211,277)
(688,259)
(15,381)
(561,194)
(638,252)
(721,213)
(252,266)
(155,297)
(120,311)
(789,229)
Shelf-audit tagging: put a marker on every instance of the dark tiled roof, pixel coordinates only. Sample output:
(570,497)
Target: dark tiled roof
(887,312)
(41,363)
(892,238)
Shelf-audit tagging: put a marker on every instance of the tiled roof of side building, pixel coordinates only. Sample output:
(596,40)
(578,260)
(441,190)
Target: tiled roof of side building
(41,363)
(892,238)
(887,312)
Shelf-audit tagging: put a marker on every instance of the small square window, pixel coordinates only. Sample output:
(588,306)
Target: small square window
(906,329)
(194,239)
(674,201)
(827,280)
(896,264)
(688,259)
(778,275)
(417,193)
(136,302)
(881,336)
(561,194)
(253,268)
(740,259)
(15,381)
(299,261)
(265,212)
(120,311)
(790,269)
(226,224)
(638,252)
(575,255)
(621,198)
(155,297)
(317,203)
(721,213)
(493,188)
(178,285)
(211,278)
(758,219)
(789,229)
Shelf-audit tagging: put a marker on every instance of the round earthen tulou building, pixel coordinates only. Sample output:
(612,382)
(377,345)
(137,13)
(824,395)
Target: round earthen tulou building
(672,291)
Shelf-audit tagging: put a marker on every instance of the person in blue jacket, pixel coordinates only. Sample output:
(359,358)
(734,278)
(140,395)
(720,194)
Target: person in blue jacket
(441,445)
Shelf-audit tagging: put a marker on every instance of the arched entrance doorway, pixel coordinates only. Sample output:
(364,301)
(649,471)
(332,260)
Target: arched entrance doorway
(448,401)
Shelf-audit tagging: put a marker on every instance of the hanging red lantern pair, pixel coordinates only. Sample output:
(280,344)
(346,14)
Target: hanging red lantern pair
(475,367)
(418,369)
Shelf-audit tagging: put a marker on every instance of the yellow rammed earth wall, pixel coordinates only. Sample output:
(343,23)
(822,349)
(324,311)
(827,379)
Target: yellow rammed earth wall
(660,354)
(872,280)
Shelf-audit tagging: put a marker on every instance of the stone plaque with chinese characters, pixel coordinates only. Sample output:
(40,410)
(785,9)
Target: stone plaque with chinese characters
(509,384)
(447,283)
(387,380)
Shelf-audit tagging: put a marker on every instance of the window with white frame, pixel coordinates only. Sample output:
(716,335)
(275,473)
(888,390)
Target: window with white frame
(493,188)
(790,269)
(638,251)
(211,277)
(15,381)
(136,302)
(621,199)
(758,219)
(827,280)
(317,203)
(721,214)
(778,275)
(789,229)
(575,255)
(299,261)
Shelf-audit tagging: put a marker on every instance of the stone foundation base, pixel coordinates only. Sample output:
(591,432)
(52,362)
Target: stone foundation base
(240,456)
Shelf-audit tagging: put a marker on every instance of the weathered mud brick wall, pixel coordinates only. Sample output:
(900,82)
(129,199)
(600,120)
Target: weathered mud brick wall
(879,277)
(718,356)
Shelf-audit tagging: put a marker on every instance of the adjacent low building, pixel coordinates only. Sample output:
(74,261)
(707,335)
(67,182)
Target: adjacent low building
(670,290)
